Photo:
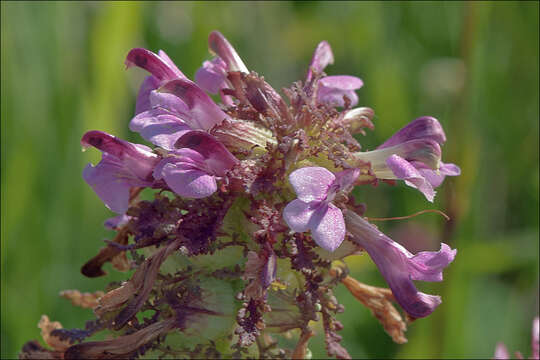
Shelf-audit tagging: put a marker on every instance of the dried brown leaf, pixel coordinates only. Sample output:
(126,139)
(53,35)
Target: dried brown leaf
(33,350)
(47,327)
(120,347)
(114,299)
(379,301)
(85,300)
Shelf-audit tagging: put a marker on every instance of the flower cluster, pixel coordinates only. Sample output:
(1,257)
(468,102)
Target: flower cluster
(226,211)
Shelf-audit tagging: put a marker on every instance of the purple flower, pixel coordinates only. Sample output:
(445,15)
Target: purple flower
(413,154)
(399,267)
(191,171)
(212,76)
(332,89)
(162,69)
(123,165)
(163,125)
(316,188)
(222,48)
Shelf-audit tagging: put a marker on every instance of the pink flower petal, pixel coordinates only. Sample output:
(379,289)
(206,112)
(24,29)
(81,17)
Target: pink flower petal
(159,127)
(205,114)
(222,48)
(149,84)
(501,352)
(138,158)
(216,156)
(311,183)
(297,215)
(322,57)
(328,227)
(154,64)
(212,76)
(425,127)
(428,265)
(111,180)
(189,182)
(403,170)
(333,88)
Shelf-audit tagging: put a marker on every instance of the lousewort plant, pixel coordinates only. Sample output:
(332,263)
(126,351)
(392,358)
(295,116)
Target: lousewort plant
(241,247)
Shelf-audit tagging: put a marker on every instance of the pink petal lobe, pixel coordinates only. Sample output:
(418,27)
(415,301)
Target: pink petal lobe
(189,182)
(328,227)
(322,57)
(152,63)
(204,112)
(221,47)
(218,159)
(311,183)
(297,215)
(403,170)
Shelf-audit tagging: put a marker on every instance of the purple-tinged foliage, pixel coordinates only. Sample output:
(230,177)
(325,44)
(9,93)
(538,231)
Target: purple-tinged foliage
(225,243)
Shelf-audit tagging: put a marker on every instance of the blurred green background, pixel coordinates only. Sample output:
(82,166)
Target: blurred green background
(474,66)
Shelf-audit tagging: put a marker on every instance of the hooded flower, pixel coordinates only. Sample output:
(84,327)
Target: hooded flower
(162,69)
(212,76)
(316,188)
(399,267)
(332,89)
(191,170)
(169,104)
(413,154)
(123,165)
(164,125)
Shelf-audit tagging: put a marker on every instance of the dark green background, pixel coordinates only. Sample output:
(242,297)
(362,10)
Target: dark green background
(474,66)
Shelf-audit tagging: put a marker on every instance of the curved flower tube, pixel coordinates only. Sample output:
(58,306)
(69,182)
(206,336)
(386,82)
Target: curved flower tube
(412,154)
(123,166)
(399,267)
